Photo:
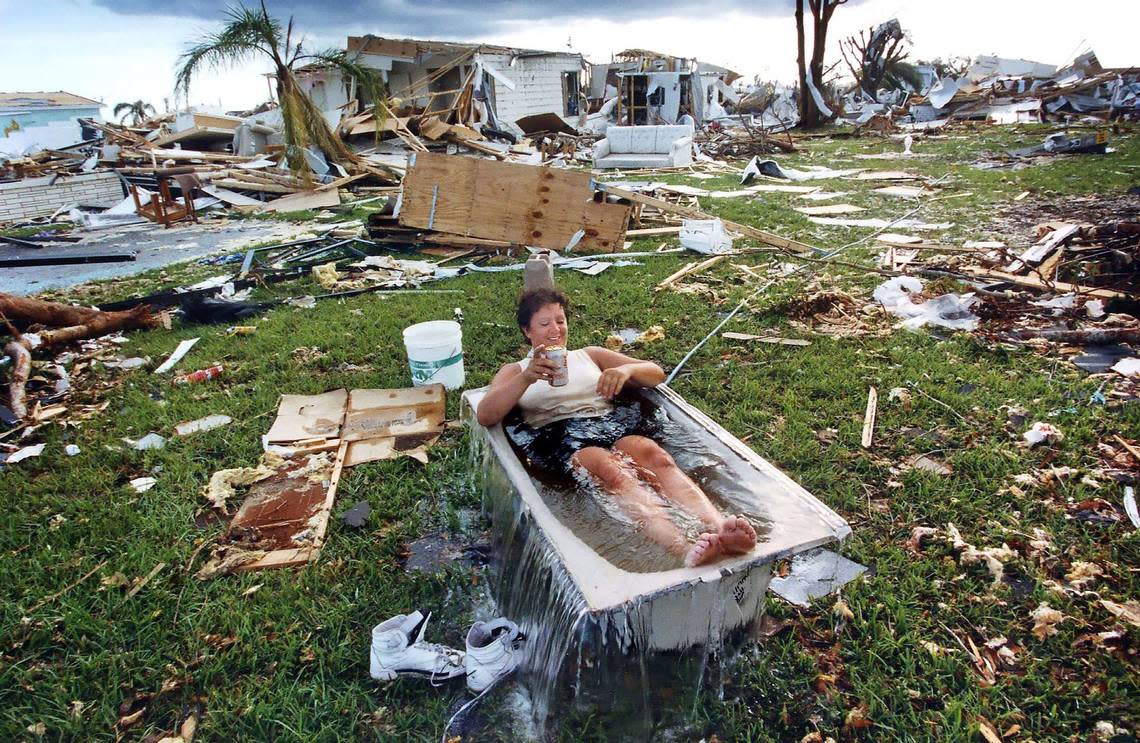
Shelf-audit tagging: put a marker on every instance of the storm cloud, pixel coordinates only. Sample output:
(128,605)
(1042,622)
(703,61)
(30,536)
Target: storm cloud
(452,19)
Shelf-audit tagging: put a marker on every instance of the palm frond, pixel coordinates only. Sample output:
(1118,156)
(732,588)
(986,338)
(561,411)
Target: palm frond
(902,76)
(248,34)
(120,107)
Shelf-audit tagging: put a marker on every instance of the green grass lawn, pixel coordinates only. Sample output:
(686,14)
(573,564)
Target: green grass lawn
(288,661)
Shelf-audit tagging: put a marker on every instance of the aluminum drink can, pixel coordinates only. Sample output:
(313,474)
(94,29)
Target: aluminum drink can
(201,375)
(557,354)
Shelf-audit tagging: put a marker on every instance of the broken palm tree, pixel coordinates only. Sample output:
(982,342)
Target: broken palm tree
(284,518)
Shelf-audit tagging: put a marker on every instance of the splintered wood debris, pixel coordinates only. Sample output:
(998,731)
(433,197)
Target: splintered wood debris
(283,520)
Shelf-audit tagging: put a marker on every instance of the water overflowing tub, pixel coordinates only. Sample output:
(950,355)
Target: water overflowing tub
(571,599)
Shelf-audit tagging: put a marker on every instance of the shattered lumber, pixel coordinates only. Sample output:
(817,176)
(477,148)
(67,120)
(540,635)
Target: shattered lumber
(765,237)
(1036,283)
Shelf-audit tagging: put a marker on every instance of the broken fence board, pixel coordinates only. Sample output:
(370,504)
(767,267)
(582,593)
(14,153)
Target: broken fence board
(304,200)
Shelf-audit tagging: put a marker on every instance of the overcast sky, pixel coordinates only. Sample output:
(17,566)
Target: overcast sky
(124,50)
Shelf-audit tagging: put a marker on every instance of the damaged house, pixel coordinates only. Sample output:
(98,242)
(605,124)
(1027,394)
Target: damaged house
(460,83)
(658,88)
(35,121)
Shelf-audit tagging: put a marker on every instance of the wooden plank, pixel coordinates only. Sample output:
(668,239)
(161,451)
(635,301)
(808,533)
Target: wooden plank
(869,418)
(302,200)
(688,269)
(732,336)
(251,186)
(767,238)
(509,202)
(317,520)
(1038,252)
(1036,283)
(647,231)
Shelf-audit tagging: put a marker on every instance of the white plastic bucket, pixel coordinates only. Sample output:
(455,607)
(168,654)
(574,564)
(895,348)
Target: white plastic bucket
(435,353)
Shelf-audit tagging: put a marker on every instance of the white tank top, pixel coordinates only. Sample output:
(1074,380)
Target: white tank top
(578,398)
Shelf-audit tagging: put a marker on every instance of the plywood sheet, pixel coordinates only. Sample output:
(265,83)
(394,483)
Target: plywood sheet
(382,413)
(516,203)
(302,417)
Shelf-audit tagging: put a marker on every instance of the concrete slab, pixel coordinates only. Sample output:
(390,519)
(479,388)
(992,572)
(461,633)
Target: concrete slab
(154,247)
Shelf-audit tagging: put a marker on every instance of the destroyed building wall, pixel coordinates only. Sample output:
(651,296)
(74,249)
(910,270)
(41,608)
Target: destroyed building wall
(540,86)
(36,197)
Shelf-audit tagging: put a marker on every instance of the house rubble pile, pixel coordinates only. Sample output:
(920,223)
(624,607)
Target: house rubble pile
(998,90)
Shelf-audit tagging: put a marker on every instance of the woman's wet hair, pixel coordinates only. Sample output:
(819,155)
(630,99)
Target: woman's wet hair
(534,300)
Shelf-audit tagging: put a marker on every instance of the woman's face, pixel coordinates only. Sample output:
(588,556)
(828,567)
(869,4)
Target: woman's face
(547,326)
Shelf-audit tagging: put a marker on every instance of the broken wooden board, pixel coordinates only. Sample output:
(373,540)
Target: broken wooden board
(303,417)
(829,209)
(412,445)
(521,204)
(869,418)
(1037,283)
(894,238)
(903,192)
(385,413)
(886,175)
(302,200)
(283,520)
(1038,252)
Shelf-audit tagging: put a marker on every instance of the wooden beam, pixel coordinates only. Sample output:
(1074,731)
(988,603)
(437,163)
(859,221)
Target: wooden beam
(693,267)
(1035,283)
(767,238)
(869,418)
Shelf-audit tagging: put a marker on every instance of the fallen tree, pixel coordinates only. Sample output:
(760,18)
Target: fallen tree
(34,323)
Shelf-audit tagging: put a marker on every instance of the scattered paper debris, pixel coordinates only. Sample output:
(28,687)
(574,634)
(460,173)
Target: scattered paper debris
(150,441)
(1043,433)
(1045,621)
(26,453)
(143,484)
(182,349)
(208,423)
(71,450)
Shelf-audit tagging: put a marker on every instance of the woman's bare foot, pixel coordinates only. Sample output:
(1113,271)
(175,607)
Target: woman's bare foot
(737,535)
(706,549)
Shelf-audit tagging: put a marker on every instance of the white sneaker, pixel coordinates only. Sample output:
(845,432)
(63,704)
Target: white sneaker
(398,649)
(494,649)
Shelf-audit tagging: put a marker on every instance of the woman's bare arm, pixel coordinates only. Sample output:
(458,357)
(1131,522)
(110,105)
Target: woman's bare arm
(509,385)
(619,369)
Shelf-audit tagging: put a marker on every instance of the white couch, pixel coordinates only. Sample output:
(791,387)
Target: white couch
(645,147)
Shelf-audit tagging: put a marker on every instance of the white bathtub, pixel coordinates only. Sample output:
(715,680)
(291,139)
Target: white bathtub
(666,610)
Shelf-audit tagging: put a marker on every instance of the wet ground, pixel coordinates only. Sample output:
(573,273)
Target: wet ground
(152,245)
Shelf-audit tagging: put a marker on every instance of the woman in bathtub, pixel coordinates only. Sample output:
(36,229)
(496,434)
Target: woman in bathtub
(579,427)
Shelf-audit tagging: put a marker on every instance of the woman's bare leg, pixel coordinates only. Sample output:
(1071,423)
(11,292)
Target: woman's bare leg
(641,504)
(736,535)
